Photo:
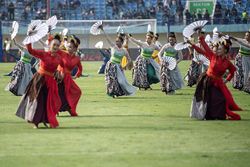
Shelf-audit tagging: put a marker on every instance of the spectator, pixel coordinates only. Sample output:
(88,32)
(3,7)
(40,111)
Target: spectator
(199,15)
(234,14)
(11,11)
(206,16)
(188,17)
(217,16)
(4,15)
(194,18)
(244,17)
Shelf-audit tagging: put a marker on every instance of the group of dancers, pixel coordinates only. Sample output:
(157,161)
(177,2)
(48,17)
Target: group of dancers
(52,88)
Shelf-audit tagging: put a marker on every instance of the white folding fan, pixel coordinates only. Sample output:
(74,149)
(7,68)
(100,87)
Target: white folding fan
(51,22)
(65,31)
(171,62)
(149,28)
(7,47)
(14,30)
(181,46)
(193,27)
(217,36)
(99,45)
(119,30)
(208,39)
(95,28)
(202,58)
(36,31)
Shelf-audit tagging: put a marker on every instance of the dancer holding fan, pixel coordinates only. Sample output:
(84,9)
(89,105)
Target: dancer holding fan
(146,71)
(212,99)
(105,56)
(199,65)
(157,43)
(199,62)
(242,61)
(22,73)
(124,62)
(171,78)
(41,101)
(69,92)
(117,84)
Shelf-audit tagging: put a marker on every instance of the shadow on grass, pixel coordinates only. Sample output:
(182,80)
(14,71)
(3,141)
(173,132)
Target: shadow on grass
(182,93)
(124,128)
(136,97)
(10,122)
(103,116)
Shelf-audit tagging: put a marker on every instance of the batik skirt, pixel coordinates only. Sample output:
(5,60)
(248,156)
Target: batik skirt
(117,84)
(145,72)
(193,73)
(20,78)
(171,80)
(238,79)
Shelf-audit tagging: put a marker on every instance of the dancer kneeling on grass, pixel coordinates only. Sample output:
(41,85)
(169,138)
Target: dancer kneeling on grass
(146,71)
(212,99)
(117,84)
(69,92)
(171,80)
(41,101)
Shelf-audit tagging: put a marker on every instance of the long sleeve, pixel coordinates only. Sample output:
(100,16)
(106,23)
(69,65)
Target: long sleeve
(137,42)
(162,50)
(79,71)
(208,52)
(198,49)
(242,42)
(36,53)
(231,69)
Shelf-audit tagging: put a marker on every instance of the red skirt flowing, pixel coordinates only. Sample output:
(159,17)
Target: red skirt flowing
(72,93)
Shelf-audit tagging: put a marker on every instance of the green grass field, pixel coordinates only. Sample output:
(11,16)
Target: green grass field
(150,129)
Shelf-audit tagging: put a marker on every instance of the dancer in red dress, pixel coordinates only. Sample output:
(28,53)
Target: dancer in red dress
(212,99)
(41,100)
(69,92)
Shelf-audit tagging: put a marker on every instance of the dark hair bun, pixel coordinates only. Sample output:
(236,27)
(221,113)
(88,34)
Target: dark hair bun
(58,37)
(171,34)
(157,35)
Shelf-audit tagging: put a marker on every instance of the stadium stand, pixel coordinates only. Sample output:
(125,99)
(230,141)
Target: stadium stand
(165,11)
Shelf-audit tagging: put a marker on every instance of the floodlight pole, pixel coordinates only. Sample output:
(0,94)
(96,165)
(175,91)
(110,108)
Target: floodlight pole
(48,9)
(1,42)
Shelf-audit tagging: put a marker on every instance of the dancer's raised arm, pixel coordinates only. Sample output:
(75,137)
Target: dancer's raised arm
(107,37)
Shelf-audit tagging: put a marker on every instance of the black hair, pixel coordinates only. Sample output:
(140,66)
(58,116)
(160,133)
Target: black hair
(150,33)
(121,34)
(120,38)
(58,37)
(226,43)
(171,34)
(75,40)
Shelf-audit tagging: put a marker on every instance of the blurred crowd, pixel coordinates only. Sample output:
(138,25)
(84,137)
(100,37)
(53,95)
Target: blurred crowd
(165,11)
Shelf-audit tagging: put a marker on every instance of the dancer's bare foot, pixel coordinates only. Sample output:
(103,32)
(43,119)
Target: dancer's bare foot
(44,123)
(35,126)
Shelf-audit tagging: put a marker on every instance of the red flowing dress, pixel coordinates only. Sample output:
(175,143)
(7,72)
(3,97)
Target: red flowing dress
(71,91)
(216,70)
(48,66)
